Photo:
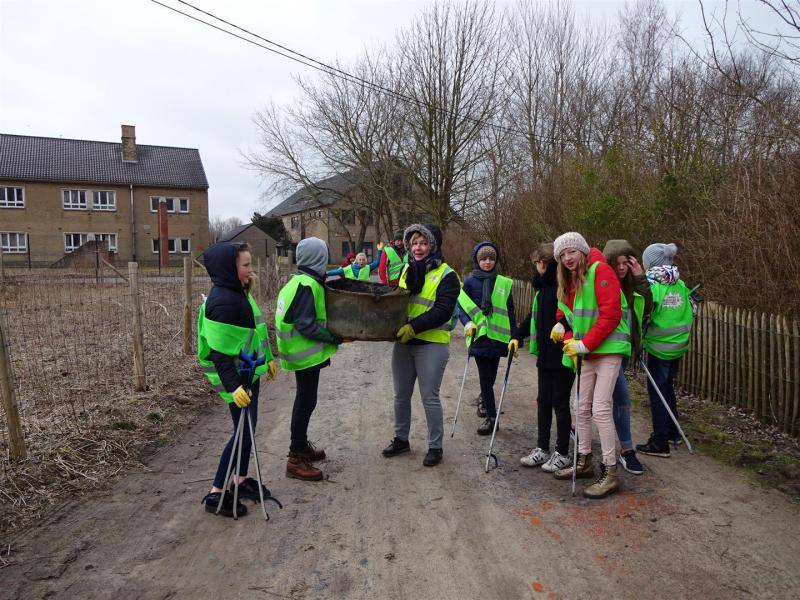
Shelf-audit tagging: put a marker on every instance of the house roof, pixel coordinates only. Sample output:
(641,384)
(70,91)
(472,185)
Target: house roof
(327,191)
(227,237)
(82,161)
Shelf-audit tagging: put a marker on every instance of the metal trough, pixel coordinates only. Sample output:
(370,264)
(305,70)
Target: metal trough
(363,310)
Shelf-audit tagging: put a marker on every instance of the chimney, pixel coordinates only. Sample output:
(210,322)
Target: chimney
(128,143)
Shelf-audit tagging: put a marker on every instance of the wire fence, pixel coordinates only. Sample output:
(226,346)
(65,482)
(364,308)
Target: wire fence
(70,344)
(736,357)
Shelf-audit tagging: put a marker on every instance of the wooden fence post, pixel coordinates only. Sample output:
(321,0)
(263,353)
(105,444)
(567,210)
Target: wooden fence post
(187,305)
(139,375)
(15,435)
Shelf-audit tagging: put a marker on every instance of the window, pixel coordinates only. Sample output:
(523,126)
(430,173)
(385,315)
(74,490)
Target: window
(182,245)
(296,222)
(155,200)
(73,199)
(104,200)
(72,241)
(14,243)
(367,217)
(348,216)
(111,238)
(183,205)
(345,249)
(12,197)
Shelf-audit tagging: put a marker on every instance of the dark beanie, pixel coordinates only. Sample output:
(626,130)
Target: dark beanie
(616,248)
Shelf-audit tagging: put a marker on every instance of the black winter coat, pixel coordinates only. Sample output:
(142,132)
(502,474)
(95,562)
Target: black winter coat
(550,353)
(226,303)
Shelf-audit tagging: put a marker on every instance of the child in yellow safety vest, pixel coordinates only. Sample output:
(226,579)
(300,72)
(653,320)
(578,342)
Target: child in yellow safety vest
(486,309)
(360,268)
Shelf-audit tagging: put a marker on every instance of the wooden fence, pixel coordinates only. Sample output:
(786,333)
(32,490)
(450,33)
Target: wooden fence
(736,357)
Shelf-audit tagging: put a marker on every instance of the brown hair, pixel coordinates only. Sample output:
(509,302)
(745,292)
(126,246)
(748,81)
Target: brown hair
(544,251)
(566,281)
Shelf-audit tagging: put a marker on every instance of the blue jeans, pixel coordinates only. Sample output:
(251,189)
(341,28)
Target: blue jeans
(663,373)
(247,443)
(622,408)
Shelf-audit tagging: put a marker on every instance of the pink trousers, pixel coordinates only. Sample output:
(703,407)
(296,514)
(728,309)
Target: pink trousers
(598,378)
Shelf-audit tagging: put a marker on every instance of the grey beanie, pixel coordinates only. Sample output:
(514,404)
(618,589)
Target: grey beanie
(312,253)
(658,255)
(571,239)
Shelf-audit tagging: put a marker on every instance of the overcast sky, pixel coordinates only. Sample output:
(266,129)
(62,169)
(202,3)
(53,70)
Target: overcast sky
(81,68)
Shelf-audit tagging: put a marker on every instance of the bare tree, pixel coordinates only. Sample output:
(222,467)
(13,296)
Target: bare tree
(218,226)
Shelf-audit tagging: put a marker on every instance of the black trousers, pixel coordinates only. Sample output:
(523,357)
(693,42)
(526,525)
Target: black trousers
(487,374)
(555,386)
(305,401)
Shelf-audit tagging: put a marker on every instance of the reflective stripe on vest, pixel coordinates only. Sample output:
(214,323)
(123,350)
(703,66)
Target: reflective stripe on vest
(363,272)
(670,327)
(497,326)
(534,349)
(231,340)
(424,301)
(584,315)
(394,264)
(296,350)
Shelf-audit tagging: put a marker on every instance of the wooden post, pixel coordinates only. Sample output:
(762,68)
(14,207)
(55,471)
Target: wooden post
(15,436)
(187,305)
(139,375)
(787,367)
(741,392)
(795,426)
(2,264)
(763,409)
(751,362)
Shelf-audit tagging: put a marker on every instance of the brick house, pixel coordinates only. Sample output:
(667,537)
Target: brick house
(58,194)
(310,212)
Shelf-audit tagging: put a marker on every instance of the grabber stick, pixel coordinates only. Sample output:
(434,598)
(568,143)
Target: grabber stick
(577,403)
(664,401)
(238,462)
(460,395)
(237,441)
(489,454)
(258,469)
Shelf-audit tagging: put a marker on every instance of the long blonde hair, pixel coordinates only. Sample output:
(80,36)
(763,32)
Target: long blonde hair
(566,281)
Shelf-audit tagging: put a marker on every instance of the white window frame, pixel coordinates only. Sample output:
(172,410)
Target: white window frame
(111,200)
(71,204)
(158,200)
(110,237)
(82,239)
(178,207)
(179,245)
(19,197)
(170,242)
(19,247)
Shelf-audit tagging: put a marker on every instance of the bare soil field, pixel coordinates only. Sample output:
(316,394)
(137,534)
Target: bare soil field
(690,527)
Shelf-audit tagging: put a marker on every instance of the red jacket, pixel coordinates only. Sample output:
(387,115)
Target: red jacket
(607,292)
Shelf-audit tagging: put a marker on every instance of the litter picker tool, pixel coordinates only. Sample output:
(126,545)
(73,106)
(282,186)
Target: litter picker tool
(666,406)
(461,392)
(577,404)
(489,454)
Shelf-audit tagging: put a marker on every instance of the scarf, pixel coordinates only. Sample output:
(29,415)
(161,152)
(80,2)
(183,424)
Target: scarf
(487,279)
(666,274)
(417,269)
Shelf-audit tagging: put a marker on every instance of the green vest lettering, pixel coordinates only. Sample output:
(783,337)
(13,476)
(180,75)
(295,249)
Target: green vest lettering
(670,327)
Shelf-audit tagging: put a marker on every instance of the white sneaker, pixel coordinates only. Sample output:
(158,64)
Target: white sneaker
(557,461)
(536,457)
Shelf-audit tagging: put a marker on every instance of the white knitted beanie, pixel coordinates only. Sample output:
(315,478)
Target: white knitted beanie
(571,239)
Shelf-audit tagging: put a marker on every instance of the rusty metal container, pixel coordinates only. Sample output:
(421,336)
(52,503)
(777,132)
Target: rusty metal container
(365,310)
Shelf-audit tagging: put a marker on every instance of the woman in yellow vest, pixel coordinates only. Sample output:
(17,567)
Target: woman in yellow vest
(305,346)
(230,323)
(423,344)
(666,339)
(591,304)
(486,309)
(620,255)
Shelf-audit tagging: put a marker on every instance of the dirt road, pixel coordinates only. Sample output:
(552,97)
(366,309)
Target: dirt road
(391,528)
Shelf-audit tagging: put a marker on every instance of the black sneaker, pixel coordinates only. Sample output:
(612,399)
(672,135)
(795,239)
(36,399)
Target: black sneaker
(433,457)
(212,501)
(248,490)
(652,448)
(397,446)
(630,463)
(487,427)
(481,411)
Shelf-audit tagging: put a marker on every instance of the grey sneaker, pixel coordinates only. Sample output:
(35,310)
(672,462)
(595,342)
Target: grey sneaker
(536,457)
(555,462)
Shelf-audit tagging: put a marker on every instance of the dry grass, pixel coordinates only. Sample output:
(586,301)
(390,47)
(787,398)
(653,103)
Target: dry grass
(70,347)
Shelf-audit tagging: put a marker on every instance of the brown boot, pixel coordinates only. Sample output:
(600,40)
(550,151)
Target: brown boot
(312,454)
(298,467)
(606,484)
(585,469)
